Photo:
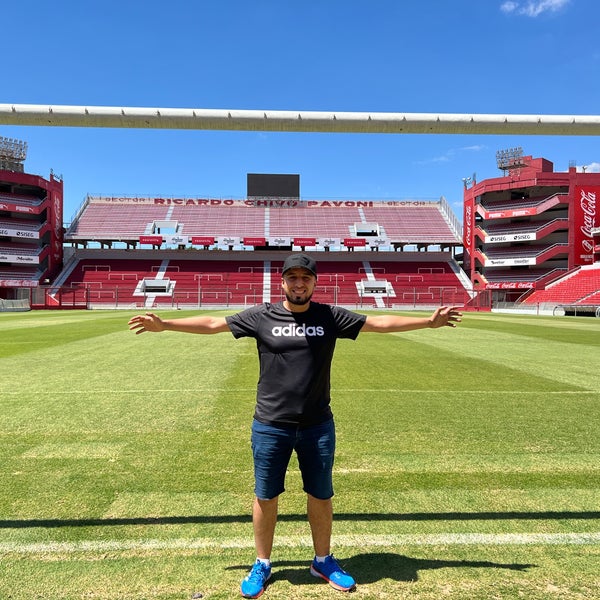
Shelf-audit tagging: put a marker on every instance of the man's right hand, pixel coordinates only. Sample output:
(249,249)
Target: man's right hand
(147,322)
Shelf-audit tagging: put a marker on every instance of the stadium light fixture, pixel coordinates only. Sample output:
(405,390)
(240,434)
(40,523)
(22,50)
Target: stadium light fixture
(12,154)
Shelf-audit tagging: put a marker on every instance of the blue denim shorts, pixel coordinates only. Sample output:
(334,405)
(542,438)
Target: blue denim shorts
(272,448)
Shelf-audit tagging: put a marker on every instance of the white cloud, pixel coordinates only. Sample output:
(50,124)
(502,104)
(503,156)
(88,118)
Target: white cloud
(474,148)
(509,7)
(450,154)
(593,167)
(532,8)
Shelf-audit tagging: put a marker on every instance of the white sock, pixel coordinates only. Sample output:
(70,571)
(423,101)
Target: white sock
(321,559)
(264,561)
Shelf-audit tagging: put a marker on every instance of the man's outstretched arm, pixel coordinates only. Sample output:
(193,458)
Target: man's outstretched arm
(445,316)
(199,324)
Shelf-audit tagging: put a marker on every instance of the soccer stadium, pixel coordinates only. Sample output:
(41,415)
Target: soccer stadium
(466,460)
(528,239)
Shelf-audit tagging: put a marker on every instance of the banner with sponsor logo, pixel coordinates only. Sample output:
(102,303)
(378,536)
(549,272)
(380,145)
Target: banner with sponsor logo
(22,259)
(585,220)
(202,241)
(511,237)
(305,241)
(176,240)
(468,231)
(354,242)
(19,283)
(19,233)
(155,240)
(229,240)
(280,240)
(509,213)
(13,207)
(329,242)
(509,262)
(254,241)
(378,242)
(510,285)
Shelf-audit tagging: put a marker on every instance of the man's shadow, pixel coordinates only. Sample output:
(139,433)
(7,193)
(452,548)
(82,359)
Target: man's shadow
(374,567)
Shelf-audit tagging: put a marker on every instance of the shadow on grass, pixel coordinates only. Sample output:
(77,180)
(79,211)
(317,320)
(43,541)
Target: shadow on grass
(377,566)
(358,517)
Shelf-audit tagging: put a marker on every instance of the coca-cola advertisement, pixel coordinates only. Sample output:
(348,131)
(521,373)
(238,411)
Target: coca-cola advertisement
(585,219)
(468,231)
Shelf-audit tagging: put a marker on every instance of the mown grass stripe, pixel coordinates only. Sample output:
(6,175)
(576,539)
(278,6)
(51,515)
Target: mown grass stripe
(441,539)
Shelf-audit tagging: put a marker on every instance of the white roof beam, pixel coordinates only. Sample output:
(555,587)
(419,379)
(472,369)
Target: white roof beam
(296,121)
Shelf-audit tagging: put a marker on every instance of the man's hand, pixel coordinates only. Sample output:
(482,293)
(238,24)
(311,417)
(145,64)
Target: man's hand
(445,316)
(147,322)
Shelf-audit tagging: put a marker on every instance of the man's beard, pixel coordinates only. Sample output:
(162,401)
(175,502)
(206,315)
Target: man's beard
(298,301)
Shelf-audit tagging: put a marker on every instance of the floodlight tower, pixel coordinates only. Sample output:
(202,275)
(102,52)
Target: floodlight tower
(510,160)
(12,154)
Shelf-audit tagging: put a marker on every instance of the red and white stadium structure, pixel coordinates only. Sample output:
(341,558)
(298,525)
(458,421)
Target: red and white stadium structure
(529,237)
(533,235)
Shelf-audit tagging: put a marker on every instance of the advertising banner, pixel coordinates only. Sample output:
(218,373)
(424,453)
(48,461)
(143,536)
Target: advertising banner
(329,242)
(305,241)
(509,213)
(229,240)
(584,220)
(280,241)
(202,241)
(508,285)
(511,237)
(254,241)
(11,206)
(176,240)
(19,283)
(22,259)
(509,262)
(377,242)
(354,242)
(19,233)
(155,240)
(468,231)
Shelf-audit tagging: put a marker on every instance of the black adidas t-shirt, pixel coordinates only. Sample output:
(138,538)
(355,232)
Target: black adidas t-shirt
(295,352)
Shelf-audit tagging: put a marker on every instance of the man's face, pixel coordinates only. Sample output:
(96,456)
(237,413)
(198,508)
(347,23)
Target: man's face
(298,285)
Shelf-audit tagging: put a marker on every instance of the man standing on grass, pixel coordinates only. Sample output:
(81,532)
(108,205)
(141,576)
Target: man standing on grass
(295,340)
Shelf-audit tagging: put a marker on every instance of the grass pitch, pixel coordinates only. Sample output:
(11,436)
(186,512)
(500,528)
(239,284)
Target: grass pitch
(467,465)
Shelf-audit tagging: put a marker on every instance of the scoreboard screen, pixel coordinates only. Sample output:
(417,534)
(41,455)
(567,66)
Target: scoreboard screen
(264,185)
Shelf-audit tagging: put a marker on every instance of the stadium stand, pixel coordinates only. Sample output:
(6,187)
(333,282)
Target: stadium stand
(105,221)
(184,275)
(581,286)
(239,279)
(337,222)
(418,224)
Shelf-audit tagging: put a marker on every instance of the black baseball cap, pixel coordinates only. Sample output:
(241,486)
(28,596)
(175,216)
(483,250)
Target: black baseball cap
(300,260)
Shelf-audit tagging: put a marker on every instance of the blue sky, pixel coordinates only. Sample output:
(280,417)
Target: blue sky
(446,56)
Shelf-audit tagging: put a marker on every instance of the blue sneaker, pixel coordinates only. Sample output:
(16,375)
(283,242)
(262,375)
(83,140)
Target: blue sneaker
(331,572)
(253,585)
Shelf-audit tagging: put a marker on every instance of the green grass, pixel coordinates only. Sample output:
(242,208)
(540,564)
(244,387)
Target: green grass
(468,462)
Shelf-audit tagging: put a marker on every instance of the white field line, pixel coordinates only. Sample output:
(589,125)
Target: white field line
(363,541)
(121,392)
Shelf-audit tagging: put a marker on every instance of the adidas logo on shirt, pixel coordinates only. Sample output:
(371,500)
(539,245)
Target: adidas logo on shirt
(298,331)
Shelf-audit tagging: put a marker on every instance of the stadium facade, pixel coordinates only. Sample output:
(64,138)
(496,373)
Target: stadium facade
(531,235)
(31,224)
(524,234)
